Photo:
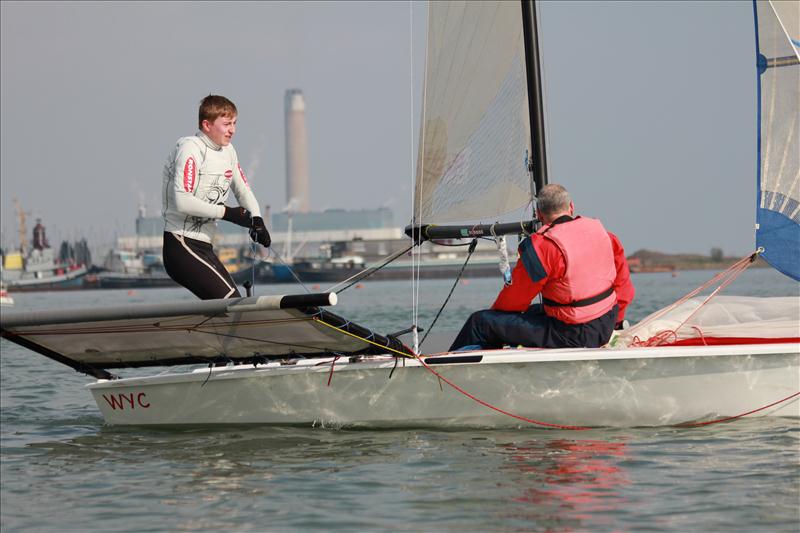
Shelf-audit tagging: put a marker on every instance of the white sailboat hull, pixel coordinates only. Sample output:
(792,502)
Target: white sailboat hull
(576,387)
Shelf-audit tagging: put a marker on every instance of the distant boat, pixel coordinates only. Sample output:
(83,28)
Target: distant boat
(126,269)
(341,263)
(339,269)
(36,268)
(39,272)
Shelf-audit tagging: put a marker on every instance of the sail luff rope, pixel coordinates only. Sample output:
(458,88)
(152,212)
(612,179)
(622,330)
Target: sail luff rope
(412,166)
(417,258)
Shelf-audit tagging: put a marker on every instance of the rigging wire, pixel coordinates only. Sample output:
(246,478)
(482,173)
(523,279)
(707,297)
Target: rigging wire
(273,252)
(367,272)
(472,246)
(254,251)
(724,278)
(416,217)
(292,272)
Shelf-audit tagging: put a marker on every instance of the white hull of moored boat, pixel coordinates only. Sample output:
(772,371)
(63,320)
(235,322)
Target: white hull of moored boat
(576,387)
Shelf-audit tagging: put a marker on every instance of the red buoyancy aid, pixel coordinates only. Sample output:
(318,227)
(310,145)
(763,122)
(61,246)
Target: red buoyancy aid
(590,272)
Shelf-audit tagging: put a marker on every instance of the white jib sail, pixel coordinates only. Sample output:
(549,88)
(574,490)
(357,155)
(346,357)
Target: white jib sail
(475,123)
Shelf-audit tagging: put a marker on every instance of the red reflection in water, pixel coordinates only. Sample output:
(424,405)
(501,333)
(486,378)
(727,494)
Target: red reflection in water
(569,480)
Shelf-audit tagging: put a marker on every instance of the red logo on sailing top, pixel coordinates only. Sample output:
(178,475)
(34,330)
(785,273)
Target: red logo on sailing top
(228,174)
(241,173)
(189,175)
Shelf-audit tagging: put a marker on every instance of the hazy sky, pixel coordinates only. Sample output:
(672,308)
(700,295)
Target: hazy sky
(651,108)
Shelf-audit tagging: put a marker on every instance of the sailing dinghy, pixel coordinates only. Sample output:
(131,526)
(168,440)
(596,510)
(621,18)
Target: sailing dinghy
(288,360)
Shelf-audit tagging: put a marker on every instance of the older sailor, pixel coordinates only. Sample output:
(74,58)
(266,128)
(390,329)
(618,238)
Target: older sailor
(581,272)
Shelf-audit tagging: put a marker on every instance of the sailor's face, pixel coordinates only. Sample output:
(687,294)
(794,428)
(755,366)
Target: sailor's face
(221,130)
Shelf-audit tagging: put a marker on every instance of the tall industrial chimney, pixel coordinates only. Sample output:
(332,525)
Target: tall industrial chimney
(296,158)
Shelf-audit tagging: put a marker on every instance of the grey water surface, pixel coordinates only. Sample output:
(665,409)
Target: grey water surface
(63,469)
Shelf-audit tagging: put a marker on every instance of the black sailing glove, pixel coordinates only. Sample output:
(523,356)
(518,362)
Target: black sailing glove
(238,215)
(259,233)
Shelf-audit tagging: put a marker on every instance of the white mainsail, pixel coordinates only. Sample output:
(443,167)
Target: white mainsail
(475,123)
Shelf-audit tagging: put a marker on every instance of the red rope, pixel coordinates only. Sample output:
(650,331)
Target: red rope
(700,332)
(330,373)
(580,428)
(419,358)
(717,421)
(658,339)
(725,278)
(493,408)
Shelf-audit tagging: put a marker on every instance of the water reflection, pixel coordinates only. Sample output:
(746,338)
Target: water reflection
(573,483)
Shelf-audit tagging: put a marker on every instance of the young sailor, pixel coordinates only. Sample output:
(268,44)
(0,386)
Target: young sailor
(581,272)
(199,173)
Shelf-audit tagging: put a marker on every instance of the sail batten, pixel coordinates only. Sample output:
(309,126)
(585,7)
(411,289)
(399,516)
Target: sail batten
(778,66)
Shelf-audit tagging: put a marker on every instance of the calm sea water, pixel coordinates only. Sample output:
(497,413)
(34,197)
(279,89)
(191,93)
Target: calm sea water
(63,469)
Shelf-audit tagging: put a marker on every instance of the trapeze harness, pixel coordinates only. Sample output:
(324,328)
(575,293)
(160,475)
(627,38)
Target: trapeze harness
(198,176)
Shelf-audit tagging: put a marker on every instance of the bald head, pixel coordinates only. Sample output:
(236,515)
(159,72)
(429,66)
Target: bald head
(552,202)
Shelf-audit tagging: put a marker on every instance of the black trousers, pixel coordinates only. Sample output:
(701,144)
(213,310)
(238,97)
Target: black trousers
(194,265)
(533,328)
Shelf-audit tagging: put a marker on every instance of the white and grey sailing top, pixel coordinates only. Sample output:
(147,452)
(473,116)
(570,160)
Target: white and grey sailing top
(198,175)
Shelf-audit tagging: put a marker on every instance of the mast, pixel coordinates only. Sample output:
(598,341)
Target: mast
(538,163)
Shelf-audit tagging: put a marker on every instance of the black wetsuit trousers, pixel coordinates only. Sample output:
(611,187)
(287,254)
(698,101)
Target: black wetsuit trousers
(194,265)
(533,328)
